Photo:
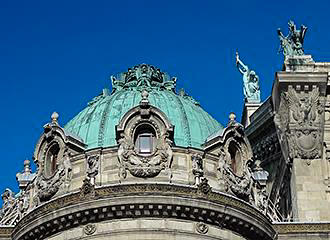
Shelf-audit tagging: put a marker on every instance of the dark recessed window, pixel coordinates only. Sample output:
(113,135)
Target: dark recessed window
(51,160)
(235,158)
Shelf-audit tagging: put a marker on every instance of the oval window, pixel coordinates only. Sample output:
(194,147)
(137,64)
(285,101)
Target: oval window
(235,156)
(51,160)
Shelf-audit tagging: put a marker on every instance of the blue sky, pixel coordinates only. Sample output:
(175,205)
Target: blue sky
(58,55)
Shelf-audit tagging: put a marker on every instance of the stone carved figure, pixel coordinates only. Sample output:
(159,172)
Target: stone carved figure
(222,163)
(23,203)
(67,166)
(197,167)
(261,198)
(251,87)
(144,166)
(87,189)
(204,187)
(170,84)
(292,44)
(241,186)
(260,195)
(116,84)
(9,210)
(92,167)
(298,123)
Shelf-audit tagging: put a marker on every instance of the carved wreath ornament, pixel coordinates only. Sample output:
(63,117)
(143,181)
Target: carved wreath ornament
(89,229)
(202,228)
(144,166)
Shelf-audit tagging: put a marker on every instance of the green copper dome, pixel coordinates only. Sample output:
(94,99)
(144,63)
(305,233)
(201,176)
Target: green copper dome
(97,122)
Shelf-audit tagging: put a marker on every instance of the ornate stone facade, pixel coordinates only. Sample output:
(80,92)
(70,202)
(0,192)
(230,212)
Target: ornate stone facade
(139,164)
(160,180)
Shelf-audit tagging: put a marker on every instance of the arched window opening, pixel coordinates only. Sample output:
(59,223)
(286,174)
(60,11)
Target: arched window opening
(51,160)
(235,158)
(145,139)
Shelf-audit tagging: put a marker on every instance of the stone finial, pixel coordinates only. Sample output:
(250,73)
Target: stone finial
(54,117)
(27,168)
(232,117)
(26,176)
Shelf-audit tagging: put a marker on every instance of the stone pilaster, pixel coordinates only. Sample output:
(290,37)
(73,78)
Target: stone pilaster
(248,110)
(299,97)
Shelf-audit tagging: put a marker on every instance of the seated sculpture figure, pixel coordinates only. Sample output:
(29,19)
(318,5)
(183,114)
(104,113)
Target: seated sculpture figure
(251,87)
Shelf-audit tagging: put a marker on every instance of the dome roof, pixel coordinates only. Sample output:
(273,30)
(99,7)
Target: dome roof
(96,123)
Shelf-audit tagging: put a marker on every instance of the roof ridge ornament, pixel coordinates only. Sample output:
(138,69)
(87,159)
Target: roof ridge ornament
(143,76)
(55,117)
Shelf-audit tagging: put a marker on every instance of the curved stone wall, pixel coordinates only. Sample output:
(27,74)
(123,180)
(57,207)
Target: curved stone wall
(141,201)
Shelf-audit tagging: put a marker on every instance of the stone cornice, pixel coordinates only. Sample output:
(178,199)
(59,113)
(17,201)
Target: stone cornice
(302,227)
(144,200)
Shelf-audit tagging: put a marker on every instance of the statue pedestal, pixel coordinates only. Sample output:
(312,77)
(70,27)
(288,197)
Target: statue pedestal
(300,98)
(248,110)
(304,63)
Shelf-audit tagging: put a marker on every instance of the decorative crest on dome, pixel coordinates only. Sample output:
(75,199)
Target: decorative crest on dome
(143,76)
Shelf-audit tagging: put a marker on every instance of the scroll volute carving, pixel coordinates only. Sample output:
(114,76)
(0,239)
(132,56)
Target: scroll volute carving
(145,138)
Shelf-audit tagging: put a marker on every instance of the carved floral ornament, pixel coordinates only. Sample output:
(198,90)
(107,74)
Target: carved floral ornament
(143,76)
(145,137)
(298,120)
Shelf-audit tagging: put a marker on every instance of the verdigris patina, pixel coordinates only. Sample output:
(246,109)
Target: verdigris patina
(292,44)
(250,82)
